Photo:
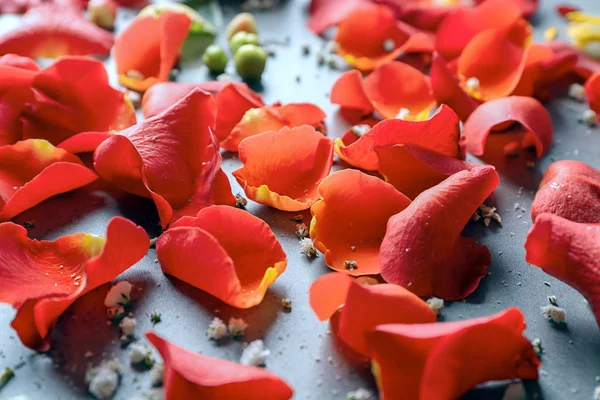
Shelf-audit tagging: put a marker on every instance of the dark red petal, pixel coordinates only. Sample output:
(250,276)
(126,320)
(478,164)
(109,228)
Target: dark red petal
(188,375)
(348,92)
(421,14)
(568,251)
(232,102)
(52,30)
(569,189)
(164,94)
(527,111)
(585,65)
(564,9)
(42,279)
(434,220)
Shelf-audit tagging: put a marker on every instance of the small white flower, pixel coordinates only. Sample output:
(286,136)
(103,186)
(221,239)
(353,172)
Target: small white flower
(255,354)
(217,329)
(360,130)
(119,295)
(156,374)
(472,83)
(590,118)
(104,379)
(577,92)
(537,346)
(403,113)
(557,314)
(308,247)
(237,326)
(359,394)
(597,393)
(435,304)
(139,353)
(488,214)
(127,326)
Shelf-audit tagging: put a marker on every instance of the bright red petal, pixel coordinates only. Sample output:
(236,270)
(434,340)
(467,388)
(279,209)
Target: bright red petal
(348,92)
(42,279)
(232,103)
(283,169)
(14,60)
(224,251)
(164,94)
(434,220)
(172,158)
(146,51)
(32,171)
(592,90)
(15,93)
(190,375)
(439,133)
(328,293)
(527,111)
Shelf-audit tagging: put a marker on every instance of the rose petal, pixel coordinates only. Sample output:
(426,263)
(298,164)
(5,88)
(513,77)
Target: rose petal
(439,133)
(15,60)
(69,101)
(147,50)
(232,102)
(164,94)
(592,91)
(445,360)
(32,171)
(188,374)
(284,169)
(15,93)
(348,92)
(422,14)
(413,169)
(434,220)
(326,13)
(585,65)
(172,158)
(51,30)
(42,279)
(527,111)
(224,251)
(328,293)
(350,219)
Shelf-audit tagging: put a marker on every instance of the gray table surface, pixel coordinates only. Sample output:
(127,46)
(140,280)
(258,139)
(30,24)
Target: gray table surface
(571,361)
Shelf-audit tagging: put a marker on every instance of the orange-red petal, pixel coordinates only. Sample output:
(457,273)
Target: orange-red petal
(348,92)
(172,158)
(42,279)
(164,94)
(232,102)
(68,103)
(569,189)
(147,50)
(439,133)
(350,218)
(592,90)
(326,13)
(444,360)
(224,251)
(328,293)
(434,220)
(190,375)
(15,93)
(527,111)
(412,169)
(32,171)
(284,169)
(17,61)
(52,30)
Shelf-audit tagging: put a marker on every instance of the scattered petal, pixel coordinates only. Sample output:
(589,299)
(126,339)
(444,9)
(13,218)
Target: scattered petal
(164,94)
(592,91)
(232,102)
(326,13)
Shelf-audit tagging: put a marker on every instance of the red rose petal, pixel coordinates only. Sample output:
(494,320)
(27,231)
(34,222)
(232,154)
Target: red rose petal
(349,220)
(564,9)
(15,60)
(42,279)
(164,94)
(434,220)
(585,65)
(132,3)
(224,251)
(413,169)
(568,251)
(172,158)
(439,133)
(146,51)
(15,93)
(527,111)
(422,14)
(445,360)
(84,142)
(32,171)
(53,30)
(592,90)
(188,375)
(326,13)
(348,92)
(284,169)
(569,189)
(328,293)
(67,102)
(232,103)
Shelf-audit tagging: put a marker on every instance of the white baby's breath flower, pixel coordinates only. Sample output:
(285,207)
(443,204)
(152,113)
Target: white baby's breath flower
(435,304)
(217,329)
(128,326)
(119,295)
(255,354)
(237,326)
(556,314)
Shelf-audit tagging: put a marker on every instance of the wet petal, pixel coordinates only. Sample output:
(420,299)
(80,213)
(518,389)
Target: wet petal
(232,103)
(434,220)
(188,374)
(283,169)
(224,251)
(164,94)
(42,279)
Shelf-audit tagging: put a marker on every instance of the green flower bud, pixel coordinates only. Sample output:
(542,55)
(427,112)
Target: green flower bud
(250,61)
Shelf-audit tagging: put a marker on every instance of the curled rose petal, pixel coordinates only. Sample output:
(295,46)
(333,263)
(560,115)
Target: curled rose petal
(73,95)
(232,103)
(439,133)
(14,60)
(569,189)
(350,218)
(592,91)
(147,50)
(224,251)
(413,169)
(369,36)
(284,169)
(585,66)
(188,374)
(42,279)
(52,30)
(527,111)
(172,158)
(15,93)
(434,220)
(444,360)
(164,94)
(32,171)
(568,251)
(364,307)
